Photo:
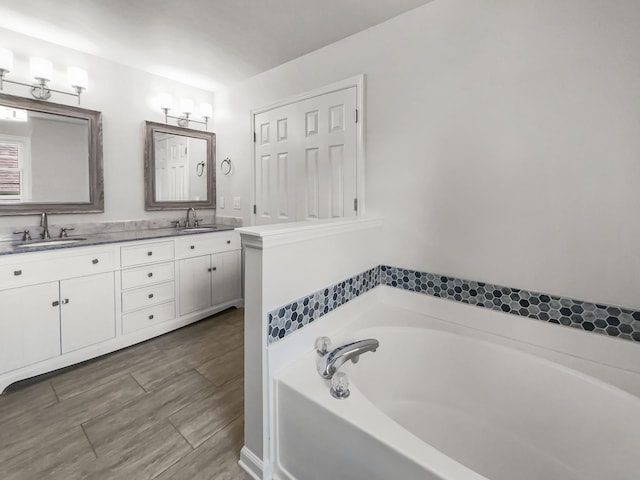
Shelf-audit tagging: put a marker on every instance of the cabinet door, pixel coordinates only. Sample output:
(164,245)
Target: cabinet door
(87,311)
(225,277)
(195,284)
(29,325)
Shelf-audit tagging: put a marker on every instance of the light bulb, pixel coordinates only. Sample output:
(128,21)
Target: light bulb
(78,77)
(206,110)
(166,101)
(186,106)
(41,68)
(6,60)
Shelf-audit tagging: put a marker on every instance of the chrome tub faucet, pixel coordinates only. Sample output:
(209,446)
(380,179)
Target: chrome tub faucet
(330,361)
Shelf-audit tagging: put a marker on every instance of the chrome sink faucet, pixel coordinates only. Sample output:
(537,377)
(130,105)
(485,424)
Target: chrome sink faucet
(196,221)
(330,361)
(44,223)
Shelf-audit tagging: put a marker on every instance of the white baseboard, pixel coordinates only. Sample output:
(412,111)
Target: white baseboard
(250,463)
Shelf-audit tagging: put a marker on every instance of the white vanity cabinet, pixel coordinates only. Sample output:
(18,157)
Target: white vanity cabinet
(48,304)
(63,306)
(148,287)
(29,325)
(87,311)
(209,271)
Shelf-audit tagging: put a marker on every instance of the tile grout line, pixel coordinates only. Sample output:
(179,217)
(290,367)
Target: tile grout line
(179,432)
(89,441)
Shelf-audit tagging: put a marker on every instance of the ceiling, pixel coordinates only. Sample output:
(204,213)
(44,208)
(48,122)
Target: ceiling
(203,43)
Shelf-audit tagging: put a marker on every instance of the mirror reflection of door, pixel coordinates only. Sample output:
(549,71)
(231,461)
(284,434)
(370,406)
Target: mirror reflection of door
(180,167)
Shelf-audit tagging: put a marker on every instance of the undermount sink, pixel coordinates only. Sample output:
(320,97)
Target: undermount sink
(47,243)
(198,229)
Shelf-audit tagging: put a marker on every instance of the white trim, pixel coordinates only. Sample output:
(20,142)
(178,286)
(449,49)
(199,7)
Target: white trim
(358,82)
(250,463)
(288,233)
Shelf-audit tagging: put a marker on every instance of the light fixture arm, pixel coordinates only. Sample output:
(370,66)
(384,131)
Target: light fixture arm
(40,90)
(184,120)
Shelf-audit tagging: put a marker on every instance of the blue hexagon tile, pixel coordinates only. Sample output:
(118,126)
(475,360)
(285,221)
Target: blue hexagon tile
(591,317)
(289,318)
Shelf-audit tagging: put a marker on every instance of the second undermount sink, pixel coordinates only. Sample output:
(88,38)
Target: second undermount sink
(50,243)
(211,228)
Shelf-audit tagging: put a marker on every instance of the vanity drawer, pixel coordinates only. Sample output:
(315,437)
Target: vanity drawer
(146,253)
(147,275)
(194,245)
(147,296)
(148,317)
(40,267)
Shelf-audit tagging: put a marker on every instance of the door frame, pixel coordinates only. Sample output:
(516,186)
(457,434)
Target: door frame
(359,83)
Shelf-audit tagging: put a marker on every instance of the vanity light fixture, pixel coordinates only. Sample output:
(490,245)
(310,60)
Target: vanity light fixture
(42,72)
(187,109)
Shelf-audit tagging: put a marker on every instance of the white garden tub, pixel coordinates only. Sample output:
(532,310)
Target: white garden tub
(441,399)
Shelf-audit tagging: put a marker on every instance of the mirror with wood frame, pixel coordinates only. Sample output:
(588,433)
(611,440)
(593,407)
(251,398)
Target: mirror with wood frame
(178,167)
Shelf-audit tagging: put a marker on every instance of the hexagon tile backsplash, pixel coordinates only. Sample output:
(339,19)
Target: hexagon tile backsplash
(592,317)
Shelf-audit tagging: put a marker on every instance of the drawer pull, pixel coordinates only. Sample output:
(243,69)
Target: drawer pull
(149,254)
(55,304)
(151,295)
(95,261)
(17,272)
(150,274)
(228,241)
(192,247)
(65,301)
(150,317)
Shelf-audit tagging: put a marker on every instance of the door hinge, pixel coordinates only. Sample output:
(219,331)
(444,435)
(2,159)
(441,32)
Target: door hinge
(255,137)
(356,115)
(255,209)
(355,204)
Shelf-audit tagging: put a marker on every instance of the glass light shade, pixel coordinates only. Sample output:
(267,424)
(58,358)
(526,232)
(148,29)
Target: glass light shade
(165,101)
(206,110)
(186,106)
(41,68)
(6,60)
(78,77)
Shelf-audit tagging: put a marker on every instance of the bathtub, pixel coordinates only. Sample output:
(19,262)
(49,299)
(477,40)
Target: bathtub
(457,393)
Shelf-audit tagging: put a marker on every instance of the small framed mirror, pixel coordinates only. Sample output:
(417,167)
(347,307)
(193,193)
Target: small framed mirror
(50,158)
(179,167)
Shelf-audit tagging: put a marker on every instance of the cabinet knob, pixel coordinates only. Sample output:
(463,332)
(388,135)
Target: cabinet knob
(214,268)
(228,241)
(150,274)
(192,247)
(65,301)
(17,272)
(151,295)
(149,254)
(150,317)
(55,303)
(95,261)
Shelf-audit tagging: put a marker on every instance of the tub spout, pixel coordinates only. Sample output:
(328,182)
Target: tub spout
(329,363)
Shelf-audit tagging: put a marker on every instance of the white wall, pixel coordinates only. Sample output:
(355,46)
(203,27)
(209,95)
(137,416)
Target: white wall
(503,139)
(126,99)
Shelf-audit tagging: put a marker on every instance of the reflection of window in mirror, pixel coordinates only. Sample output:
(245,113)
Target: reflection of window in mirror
(15,168)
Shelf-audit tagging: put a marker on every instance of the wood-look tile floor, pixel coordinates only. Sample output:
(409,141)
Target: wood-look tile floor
(170,408)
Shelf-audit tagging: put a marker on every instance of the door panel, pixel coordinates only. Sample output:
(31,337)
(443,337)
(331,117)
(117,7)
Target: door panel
(83,324)
(195,284)
(306,158)
(29,325)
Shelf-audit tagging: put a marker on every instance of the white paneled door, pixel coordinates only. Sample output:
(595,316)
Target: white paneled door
(306,159)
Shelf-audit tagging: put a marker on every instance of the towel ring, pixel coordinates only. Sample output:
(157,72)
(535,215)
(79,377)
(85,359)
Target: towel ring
(225,166)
